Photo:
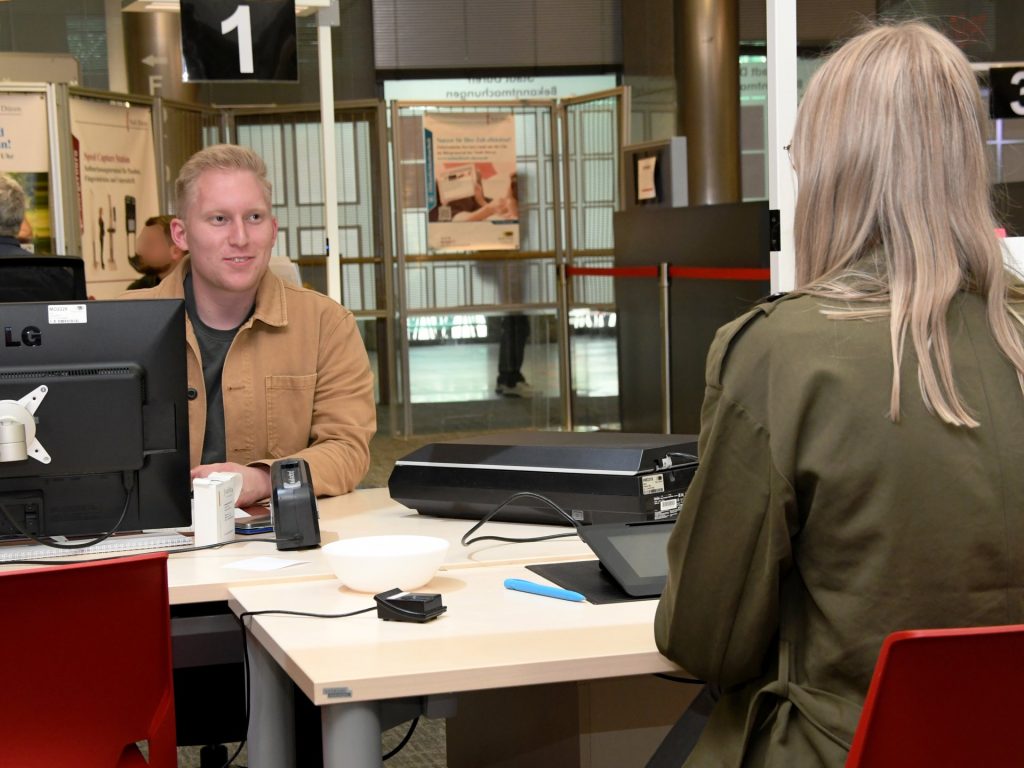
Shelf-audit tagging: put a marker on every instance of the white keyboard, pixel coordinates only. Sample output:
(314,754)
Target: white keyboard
(135,542)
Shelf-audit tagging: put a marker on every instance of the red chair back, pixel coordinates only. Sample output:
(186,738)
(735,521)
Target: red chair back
(945,697)
(86,654)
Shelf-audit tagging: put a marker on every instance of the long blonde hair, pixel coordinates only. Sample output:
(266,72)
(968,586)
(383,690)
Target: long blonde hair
(890,158)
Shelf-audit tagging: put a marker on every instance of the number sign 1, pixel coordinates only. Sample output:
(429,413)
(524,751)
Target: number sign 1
(241,21)
(229,40)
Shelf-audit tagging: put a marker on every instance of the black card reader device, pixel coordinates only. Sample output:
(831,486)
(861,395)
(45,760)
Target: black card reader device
(416,607)
(293,510)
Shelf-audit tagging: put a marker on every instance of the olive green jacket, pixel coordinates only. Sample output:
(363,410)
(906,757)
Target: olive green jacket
(816,526)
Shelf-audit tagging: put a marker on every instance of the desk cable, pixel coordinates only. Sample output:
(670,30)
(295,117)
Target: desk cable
(136,552)
(245,657)
(689,457)
(553,507)
(128,481)
(283,612)
(219,544)
(678,679)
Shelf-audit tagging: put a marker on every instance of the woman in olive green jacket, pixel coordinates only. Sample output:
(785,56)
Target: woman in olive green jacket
(861,438)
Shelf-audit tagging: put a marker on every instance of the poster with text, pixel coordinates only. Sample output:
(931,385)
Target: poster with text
(472,191)
(25,155)
(115,175)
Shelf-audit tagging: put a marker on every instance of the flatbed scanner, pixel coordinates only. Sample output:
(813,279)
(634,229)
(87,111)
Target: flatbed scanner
(597,477)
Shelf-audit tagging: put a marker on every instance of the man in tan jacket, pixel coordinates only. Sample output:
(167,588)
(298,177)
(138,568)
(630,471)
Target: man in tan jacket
(274,369)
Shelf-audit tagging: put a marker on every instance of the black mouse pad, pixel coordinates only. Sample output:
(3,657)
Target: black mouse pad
(586,577)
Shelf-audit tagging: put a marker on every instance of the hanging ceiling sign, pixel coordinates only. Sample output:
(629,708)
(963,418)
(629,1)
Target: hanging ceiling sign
(228,40)
(1006,99)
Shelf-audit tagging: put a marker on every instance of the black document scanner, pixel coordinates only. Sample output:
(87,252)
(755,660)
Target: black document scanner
(597,477)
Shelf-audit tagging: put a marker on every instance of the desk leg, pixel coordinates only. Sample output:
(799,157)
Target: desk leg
(352,735)
(271,735)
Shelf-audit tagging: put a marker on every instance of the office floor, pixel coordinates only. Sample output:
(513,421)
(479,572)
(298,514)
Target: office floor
(452,388)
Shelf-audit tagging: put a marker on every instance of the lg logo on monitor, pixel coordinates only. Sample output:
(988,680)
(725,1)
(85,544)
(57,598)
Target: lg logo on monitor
(30,335)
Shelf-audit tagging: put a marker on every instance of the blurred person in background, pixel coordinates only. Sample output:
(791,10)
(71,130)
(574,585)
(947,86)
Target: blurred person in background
(156,255)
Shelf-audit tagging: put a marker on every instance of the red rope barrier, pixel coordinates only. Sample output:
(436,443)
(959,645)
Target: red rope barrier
(751,274)
(720,273)
(613,271)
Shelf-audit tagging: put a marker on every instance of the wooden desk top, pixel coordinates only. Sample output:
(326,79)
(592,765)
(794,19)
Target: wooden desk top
(195,577)
(373,512)
(490,637)
(200,576)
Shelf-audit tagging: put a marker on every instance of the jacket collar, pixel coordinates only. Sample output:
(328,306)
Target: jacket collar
(271,302)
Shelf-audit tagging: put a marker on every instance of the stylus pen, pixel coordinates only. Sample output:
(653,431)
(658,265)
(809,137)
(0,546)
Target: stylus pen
(521,585)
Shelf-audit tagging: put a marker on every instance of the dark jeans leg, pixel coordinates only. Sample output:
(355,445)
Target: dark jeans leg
(515,330)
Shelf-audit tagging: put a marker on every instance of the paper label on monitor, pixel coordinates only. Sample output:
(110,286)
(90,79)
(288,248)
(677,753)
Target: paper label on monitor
(652,484)
(67,314)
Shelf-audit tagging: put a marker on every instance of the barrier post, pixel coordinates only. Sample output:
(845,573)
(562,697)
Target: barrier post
(666,348)
(565,348)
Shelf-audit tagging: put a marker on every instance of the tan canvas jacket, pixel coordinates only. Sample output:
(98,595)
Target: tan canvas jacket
(297,382)
(816,526)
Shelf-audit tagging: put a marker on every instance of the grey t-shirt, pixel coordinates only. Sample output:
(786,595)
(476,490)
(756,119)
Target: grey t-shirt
(213,350)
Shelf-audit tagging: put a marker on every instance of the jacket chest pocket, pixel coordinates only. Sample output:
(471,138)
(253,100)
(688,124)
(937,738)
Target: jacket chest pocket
(289,412)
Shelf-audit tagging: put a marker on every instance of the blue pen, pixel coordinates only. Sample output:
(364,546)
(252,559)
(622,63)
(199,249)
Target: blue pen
(521,585)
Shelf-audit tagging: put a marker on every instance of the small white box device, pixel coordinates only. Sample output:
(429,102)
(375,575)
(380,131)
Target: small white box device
(456,183)
(213,507)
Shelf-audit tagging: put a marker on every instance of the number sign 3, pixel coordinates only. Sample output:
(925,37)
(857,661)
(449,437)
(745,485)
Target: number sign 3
(1006,99)
(228,40)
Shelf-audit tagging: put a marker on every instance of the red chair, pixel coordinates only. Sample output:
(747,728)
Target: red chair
(945,697)
(86,655)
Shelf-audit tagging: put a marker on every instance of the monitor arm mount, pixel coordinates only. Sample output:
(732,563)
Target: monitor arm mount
(18,428)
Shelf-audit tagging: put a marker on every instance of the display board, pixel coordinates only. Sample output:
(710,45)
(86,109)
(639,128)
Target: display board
(471,182)
(25,155)
(116,183)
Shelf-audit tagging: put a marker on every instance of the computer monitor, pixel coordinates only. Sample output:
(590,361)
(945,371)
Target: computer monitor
(42,278)
(93,417)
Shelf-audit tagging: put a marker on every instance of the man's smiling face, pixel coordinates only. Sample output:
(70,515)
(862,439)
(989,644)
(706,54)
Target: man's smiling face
(228,228)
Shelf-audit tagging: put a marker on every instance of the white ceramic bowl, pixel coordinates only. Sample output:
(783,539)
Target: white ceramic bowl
(379,563)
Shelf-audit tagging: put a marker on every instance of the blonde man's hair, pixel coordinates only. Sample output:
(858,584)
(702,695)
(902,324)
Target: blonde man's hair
(218,157)
(894,210)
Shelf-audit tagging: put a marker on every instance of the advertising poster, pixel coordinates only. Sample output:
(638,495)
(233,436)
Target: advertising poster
(472,191)
(115,175)
(25,155)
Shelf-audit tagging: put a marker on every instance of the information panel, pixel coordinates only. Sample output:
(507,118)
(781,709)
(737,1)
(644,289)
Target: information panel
(25,155)
(472,186)
(115,175)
